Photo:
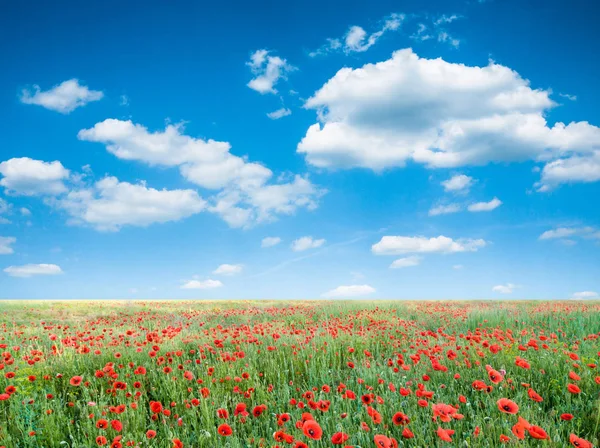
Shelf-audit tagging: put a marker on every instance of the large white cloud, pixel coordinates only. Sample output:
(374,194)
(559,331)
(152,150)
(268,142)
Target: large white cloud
(268,70)
(110,204)
(64,97)
(398,245)
(349,291)
(246,193)
(29,270)
(28,177)
(6,243)
(443,115)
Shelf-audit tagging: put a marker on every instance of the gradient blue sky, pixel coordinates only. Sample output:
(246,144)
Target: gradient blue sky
(137,155)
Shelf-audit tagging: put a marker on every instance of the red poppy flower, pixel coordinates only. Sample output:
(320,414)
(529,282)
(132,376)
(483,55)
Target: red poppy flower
(407,433)
(101,441)
(400,418)
(534,395)
(312,430)
(339,437)
(537,433)
(507,406)
(579,442)
(225,430)
(150,434)
(76,381)
(573,388)
(382,441)
(566,417)
(445,434)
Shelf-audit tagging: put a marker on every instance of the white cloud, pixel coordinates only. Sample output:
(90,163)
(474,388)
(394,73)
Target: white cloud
(457,266)
(205,284)
(357,40)
(305,243)
(124,100)
(406,262)
(28,177)
(109,204)
(422,33)
(443,115)
(5,244)
(573,169)
(279,113)
(398,245)
(29,270)
(228,269)
(444,209)
(270,241)
(561,232)
(585,295)
(268,70)
(244,196)
(64,97)
(25,211)
(565,232)
(569,97)
(485,206)
(349,291)
(459,183)
(446,19)
(5,208)
(504,289)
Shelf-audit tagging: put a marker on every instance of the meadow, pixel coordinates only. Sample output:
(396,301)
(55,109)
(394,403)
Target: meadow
(299,374)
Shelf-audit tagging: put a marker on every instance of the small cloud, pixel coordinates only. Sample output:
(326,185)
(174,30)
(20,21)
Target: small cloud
(5,244)
(349,291)
(567,96)
(29,270)
(444,209)
(268,70)
(306,242)
(25,211)
(460,183)
(206,284)
(228,269)
(485,206)
(124,100)
(270,241)
(398,245)
(585,295)
(457,266)
(279,113)
(63,98)
(357,40)
(504,289)
(406,262)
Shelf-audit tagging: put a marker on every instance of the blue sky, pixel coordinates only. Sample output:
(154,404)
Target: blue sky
(412,150)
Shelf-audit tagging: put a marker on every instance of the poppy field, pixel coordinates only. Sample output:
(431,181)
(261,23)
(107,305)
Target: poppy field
(299,374)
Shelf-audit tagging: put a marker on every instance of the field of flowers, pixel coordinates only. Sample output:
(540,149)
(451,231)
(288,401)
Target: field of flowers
(299,374)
